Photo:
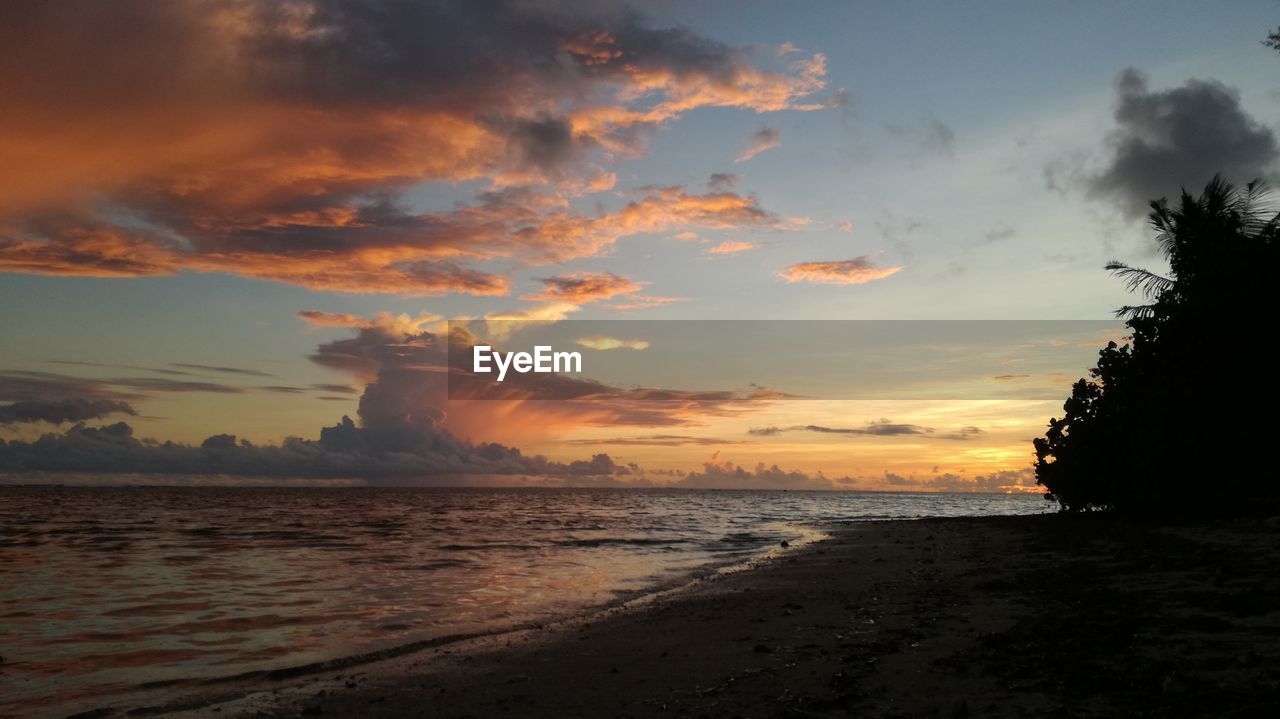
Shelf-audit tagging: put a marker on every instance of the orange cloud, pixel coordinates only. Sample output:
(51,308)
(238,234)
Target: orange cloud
(409,381)
(401,324)
(612,343)
(729,247)
(643,302)
(857,271)
(383,249)
(274,140)
(583,287)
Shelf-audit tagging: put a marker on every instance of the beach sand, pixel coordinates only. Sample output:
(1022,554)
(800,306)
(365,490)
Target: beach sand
(1021,616)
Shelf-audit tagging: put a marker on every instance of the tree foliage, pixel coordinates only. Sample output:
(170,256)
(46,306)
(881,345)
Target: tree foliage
(1181,416)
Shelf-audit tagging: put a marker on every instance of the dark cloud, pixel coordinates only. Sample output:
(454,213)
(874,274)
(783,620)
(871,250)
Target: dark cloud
(722,182)
(157,384)
(963,434)
(998,482)
(583,288)
(22,385)
(1166,140)
(655,440)
(58,411)
(343,450)
(730,476)
(48,397)
(338,388)
(222,370)
(881,428)
(158,370)
(763,139)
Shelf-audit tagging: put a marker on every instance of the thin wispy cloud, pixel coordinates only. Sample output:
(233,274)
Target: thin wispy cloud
(764,139)
(859,270)
(732,247)
(583,287)
(612,343)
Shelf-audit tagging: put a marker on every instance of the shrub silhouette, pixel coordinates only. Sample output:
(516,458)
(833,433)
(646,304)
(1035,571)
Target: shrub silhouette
(1180,418)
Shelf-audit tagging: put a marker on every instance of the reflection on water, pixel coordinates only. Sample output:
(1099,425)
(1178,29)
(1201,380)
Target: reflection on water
(106,589)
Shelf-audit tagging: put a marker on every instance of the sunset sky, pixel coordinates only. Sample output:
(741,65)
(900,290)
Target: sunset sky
(232,217)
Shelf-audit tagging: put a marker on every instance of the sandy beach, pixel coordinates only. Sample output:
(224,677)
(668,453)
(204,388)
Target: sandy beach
(1018,616)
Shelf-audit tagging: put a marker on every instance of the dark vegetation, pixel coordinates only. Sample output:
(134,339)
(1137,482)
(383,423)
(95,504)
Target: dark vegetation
(1181,417)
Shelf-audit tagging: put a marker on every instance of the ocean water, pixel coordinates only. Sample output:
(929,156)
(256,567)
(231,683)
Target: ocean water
(108,592)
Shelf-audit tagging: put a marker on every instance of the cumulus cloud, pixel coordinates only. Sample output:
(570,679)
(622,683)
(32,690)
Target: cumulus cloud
(612,343)
(343,450)
(729,476)
(732,247)
(410,379)
(1166,140)
(764,139)
(998,482)
(857,271)
(409,422)
(276,141)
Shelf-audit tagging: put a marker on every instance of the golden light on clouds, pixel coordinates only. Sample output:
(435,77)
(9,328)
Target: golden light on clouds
(612,343)
(857,271)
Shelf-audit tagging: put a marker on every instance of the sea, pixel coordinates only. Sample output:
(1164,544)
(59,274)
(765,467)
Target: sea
(110,594)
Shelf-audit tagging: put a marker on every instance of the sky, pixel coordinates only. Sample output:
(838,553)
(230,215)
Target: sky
(249,218)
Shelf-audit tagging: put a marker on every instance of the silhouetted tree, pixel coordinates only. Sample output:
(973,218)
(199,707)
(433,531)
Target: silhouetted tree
(1180,417)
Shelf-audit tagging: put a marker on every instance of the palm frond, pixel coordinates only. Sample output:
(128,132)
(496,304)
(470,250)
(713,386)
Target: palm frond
(1255,212)
(1137,279)
(1135,312)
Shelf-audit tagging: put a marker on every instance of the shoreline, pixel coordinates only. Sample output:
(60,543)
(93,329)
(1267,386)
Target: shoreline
(194,696)
(993,616)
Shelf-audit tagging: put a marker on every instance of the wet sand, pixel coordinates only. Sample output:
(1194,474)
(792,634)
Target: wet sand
(1014,616)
